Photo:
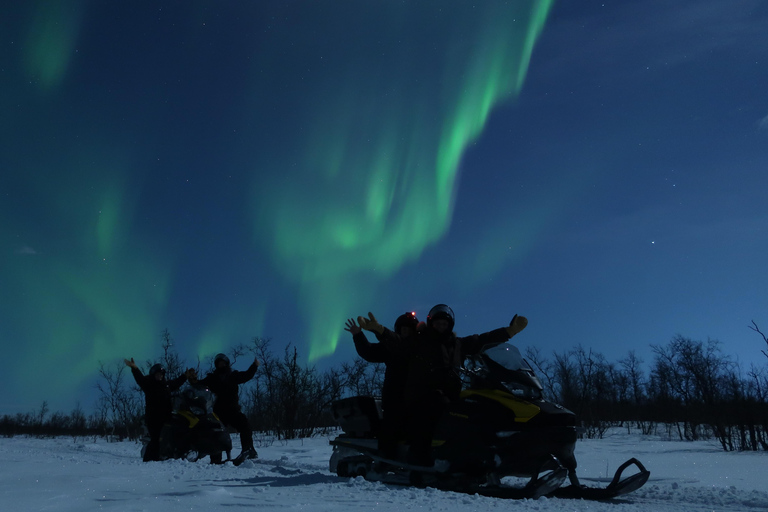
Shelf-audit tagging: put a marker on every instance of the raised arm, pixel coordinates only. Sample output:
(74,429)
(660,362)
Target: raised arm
(136,372)
(371,352)
(179,381)
(474,344)
(245,376)
(391,343)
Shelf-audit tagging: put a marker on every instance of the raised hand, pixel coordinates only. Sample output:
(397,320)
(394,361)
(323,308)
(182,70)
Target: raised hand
(351,327)
(517,324)
(371,324)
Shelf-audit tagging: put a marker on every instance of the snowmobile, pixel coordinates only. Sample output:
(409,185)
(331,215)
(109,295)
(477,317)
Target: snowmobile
(500,427)
(194,431)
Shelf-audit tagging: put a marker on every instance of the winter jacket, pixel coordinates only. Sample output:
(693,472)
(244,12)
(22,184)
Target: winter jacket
(434,360)
(223,383)
(157,394)
(395,373)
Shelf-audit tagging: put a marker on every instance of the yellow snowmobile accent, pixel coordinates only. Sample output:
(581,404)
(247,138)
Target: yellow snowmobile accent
(191,418)
(523,410)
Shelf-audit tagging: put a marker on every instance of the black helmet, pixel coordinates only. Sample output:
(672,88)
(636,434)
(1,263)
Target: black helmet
(220,357)
(406,320)
(441,311)
(156,368)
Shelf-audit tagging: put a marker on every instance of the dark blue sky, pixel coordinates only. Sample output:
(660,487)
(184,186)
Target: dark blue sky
(272,168)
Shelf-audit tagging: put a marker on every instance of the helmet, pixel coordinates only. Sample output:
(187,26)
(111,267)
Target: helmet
(438,312)
(220,357)
(406,320)
(156,368)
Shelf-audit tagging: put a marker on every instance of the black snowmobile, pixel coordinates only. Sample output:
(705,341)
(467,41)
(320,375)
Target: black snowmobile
(500,427)
(194,431)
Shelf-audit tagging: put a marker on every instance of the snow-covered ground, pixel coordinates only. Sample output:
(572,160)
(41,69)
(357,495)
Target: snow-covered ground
(87,474)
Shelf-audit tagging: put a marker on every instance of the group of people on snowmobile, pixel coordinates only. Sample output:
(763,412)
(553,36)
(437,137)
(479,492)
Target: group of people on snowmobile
(223,382)
(421,378)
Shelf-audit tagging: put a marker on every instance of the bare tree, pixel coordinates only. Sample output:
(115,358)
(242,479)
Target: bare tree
(79,423)
(564,376)
(544,369)
(697,375)
(291,400)
(120,403)
(43,411)
(361,377)
(632,369)
(171,361)
(755,328)
(636,406)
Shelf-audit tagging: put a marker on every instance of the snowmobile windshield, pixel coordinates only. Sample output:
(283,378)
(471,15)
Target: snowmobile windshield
(506,365)
(198,400)
(508,356)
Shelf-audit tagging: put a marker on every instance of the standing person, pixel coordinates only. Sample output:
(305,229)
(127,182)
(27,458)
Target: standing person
(435,356)
(159,405)
(223,382)
(395,376)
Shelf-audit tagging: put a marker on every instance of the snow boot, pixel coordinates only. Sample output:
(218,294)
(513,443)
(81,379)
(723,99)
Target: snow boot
(248,453)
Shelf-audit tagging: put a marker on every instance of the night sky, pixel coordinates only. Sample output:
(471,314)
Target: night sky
(228,170)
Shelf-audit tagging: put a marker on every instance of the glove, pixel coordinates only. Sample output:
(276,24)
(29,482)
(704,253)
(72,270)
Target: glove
(370,323)
(517,324)
(351,327)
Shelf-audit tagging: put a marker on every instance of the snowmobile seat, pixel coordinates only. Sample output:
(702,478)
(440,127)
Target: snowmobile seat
(358,416)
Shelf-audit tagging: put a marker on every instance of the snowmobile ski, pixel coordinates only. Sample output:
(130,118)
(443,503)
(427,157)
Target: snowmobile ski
(388,471)
(617,487)
(371,466)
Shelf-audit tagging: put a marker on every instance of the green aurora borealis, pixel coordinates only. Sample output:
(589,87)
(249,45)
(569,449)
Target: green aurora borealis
(227,170)
(356,127)
(374,167)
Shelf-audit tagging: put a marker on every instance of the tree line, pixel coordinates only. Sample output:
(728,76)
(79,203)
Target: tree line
(691,390)
(286,399)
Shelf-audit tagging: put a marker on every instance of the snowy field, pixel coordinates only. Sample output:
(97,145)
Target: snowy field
(84,474)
